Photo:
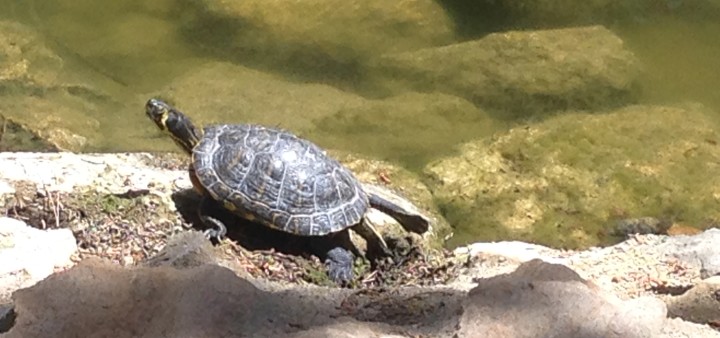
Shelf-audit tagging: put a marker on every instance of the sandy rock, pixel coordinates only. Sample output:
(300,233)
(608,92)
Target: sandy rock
(318,37)
(537,299)
(105,173)
(100,299)
(700,250)
(184,250)
(545,300)
(28,255)
(349,328)
(210,301)
(522,72)
(565,182)
(700,304)
(512,250)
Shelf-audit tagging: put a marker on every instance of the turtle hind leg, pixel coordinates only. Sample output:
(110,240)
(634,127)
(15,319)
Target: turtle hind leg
(216,229)
(376,245)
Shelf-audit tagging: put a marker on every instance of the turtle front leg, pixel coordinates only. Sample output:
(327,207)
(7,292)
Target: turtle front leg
(339,262)
(216,229)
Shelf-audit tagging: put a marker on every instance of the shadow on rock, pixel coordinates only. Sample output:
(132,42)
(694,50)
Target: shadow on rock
(250,235)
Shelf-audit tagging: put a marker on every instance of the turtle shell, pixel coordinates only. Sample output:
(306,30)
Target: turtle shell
(278,179)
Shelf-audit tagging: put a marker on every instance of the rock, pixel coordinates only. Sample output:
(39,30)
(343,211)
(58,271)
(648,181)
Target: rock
(515,251)
(349,329)
(700,304)
(678,229)
(101,173)
(28,255)
(7,317)
(101,299)
(521,73)
(698,250)
(58,125)
(538,299)
(561,182)
(548,300)
(311,37)
(16,137)
(411,128)
(184,250)
(640,225)
(226,93)
(97,298)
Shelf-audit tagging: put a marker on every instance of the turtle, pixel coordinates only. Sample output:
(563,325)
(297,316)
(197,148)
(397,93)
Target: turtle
(279,180)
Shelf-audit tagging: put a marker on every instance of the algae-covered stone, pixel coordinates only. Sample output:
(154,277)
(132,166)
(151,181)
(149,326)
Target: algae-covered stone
(227,93)
(56,120)
(24,58)
(412,128)
(43,111)
(327,36)
(522,72)
(405,184)
(567,180)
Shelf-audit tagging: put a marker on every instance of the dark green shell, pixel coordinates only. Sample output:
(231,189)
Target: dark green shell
(278,179)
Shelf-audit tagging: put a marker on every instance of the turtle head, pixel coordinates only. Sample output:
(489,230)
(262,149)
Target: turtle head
(174,122)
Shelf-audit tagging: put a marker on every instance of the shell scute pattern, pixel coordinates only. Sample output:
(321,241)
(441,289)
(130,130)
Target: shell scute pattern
(280,180)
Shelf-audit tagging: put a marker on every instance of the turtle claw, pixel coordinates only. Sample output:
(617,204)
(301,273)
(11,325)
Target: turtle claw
(217,229)
(213,235)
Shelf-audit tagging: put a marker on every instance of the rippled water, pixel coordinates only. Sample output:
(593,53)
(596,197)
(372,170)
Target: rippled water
(128,49)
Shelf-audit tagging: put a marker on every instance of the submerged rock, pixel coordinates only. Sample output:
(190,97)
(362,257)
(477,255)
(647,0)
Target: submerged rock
(411,128)
(520,73)
(35,98)
(566,180)
(25,60)
(310,37)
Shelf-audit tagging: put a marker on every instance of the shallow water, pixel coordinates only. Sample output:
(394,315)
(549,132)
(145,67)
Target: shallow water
(128,49)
